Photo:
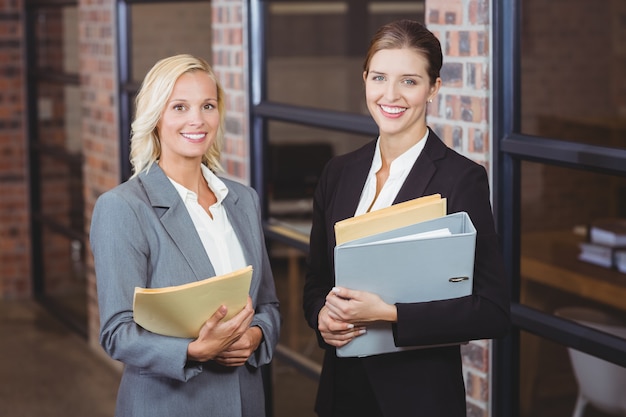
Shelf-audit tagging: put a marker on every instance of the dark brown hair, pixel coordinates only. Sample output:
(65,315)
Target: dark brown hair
(408,34)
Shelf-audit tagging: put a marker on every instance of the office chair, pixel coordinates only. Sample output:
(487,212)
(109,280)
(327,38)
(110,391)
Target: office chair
(600,383)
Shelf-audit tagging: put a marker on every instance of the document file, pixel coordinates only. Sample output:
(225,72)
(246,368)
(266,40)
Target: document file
(181,310)
(426,261)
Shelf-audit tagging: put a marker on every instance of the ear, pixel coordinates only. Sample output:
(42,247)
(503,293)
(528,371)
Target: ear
(434,89)
(364,76)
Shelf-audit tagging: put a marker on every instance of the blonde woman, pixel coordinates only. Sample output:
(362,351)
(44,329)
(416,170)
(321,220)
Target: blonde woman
(175,221)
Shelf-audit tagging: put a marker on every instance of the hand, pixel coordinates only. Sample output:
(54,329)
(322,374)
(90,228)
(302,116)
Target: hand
(334,332)
(217,335)
(238,353)
(358,307)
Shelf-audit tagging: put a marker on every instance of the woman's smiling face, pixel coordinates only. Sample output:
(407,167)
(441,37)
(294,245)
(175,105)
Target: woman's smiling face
(190,120)
(397,88)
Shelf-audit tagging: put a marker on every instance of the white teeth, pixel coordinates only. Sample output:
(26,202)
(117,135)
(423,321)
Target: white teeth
(195,136)
(393,110)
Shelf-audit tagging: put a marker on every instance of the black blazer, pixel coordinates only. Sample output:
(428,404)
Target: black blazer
(424,382)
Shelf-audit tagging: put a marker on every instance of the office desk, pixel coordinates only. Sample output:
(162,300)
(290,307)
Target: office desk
(551,259)
(299,231)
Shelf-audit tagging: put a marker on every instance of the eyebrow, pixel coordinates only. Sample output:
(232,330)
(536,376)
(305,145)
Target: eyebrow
(183,100)
(402,75)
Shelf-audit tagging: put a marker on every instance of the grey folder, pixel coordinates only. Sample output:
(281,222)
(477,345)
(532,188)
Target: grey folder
(418,270)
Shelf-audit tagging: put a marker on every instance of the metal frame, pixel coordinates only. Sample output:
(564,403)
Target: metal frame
(510,148)
(35,149)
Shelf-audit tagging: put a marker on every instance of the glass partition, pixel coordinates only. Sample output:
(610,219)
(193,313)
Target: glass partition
(315,50)
(572,63)
(56,161)
(188,30)
(568,269)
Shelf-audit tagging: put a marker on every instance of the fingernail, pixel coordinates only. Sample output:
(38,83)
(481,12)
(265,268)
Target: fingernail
(336,290)
(350,326)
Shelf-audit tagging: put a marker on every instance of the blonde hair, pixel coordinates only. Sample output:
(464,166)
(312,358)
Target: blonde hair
(157,87)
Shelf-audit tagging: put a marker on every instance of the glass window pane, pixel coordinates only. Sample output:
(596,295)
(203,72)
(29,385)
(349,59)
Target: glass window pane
(59,112)
(64,272)
(188,30)
(559,208)
(57,39)
(573,58)
(547,383)
(296,156)
(288,267)
(61,192)
(315,50)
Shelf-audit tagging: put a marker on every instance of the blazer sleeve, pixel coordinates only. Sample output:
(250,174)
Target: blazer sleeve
(267,314)
(319,275)
(121,251)
(484,314)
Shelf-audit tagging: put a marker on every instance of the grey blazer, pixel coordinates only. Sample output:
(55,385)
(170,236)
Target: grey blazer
(142,236)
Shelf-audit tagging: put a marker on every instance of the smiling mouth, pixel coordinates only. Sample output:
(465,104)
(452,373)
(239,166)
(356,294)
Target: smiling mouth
(392,109)
(194,136)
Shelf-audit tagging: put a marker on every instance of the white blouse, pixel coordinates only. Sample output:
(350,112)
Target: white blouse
(217,234)
(398,171)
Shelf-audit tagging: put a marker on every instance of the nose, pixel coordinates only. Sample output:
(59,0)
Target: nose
(195,117)
(391,91)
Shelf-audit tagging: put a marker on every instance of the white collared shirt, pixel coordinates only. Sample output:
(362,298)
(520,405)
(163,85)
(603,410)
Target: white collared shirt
(398,171)
(217,235)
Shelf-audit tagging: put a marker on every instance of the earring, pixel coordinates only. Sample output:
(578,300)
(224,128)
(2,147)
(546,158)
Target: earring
(430,100)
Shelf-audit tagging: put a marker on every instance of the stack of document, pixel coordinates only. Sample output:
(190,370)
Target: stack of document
(181,310)
(392,217)
(424,260)
(607,244)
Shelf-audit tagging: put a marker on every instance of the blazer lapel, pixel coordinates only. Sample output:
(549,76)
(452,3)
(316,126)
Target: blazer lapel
(352,181)
(423,170)
(245,230)
(241,224)
(175,218)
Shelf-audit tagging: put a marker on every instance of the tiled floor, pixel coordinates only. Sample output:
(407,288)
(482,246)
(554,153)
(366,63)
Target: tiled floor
(46,370)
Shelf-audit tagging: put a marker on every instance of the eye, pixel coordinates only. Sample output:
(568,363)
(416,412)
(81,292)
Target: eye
(178,107)
(208,106)
(378,78)
(409,81)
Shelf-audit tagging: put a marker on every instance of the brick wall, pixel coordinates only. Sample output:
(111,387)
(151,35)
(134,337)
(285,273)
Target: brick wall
(230,66)
(15,253)
(460,115)
(461,112)
(101,169)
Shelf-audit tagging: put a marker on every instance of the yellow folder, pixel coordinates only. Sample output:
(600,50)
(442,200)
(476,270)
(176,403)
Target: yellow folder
(181,310)
(389,218)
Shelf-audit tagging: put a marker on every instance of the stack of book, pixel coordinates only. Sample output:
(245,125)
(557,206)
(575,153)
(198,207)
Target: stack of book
(607,244)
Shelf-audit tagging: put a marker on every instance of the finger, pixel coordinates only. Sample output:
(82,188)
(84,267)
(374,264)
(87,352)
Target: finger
(218,316)
(338,311)
(344,293)
(337,340)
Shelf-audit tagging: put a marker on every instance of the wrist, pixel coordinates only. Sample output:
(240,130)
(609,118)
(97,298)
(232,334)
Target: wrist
(256,334)
(391,313)
(193,354)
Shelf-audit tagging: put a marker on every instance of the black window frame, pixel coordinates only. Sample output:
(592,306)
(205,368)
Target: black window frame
(38,220)
(263,110)
(510,148)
